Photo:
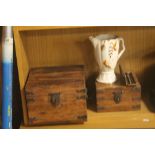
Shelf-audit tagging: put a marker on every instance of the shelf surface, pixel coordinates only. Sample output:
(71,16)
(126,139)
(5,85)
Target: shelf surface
(143,118)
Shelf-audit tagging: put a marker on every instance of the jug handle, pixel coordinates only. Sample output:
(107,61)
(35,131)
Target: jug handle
(122,51)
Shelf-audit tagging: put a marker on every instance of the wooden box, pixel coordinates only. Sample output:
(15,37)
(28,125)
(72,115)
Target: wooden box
(117,96)
(56,95)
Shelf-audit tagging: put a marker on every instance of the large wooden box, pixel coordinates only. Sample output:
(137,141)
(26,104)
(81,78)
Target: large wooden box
(56,95)
(117,96)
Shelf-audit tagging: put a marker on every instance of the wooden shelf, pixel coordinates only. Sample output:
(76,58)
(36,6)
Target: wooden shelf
(32,28)
(37,48)
(143,118)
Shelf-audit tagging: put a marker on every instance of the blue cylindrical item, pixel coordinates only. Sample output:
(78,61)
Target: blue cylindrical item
(7,77)
(7,95)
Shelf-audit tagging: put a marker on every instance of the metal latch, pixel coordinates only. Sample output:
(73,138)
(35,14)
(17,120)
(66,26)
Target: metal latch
(54,99)
(117,97)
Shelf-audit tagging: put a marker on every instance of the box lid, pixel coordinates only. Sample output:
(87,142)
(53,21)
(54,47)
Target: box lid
(66,77)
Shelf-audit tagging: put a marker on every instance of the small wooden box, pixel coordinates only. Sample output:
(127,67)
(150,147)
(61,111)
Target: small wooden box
(56,95)
(117,96)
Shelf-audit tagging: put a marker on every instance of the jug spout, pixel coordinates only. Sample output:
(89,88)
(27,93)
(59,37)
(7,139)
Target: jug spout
(94,41)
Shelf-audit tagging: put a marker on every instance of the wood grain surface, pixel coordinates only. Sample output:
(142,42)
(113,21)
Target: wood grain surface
(117,97)
(144,118)
(55,95)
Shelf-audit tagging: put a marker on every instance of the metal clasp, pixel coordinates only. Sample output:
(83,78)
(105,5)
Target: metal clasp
(54,99)
(117,97)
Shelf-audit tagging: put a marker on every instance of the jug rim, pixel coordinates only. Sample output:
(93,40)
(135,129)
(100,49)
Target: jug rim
(106,37)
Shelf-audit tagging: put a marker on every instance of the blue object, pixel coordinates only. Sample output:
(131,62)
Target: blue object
(7,69)
(7,77)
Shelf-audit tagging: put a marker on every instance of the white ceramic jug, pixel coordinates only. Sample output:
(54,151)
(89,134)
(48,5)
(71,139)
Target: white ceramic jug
(107,53)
